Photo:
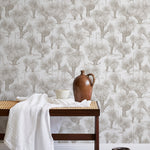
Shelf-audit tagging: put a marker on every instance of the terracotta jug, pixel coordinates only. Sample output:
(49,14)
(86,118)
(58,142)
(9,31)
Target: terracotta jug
(82,86)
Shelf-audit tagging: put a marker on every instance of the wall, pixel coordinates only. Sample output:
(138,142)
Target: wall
(45,43)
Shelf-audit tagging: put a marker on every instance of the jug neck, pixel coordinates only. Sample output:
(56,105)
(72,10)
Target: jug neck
(82,72)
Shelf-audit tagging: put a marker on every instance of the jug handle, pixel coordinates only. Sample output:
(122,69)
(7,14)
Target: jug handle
(90,74)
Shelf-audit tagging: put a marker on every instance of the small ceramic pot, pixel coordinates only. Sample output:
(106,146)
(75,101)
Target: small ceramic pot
(62,93)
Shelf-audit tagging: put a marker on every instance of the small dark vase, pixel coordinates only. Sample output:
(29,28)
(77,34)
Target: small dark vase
(82,86)
(121,148)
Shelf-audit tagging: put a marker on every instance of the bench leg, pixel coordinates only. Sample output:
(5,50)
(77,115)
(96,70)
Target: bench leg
(96,132)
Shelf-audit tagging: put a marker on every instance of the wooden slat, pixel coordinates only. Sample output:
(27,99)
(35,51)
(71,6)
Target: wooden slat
(60,112)
(74,112)
(2,136)
(66,136)
(4,112)
(73,136)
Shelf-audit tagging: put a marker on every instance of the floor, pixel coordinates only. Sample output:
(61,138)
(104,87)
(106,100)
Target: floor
(89,146)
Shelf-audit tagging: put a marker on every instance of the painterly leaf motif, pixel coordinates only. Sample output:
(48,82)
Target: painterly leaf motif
(45,44)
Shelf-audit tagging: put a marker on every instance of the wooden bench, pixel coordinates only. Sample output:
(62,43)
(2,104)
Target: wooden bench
(93,110)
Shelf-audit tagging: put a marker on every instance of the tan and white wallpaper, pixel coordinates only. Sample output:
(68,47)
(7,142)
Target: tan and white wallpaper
(45,43)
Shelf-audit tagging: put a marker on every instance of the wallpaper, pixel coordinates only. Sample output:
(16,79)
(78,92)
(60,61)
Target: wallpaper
(45,43)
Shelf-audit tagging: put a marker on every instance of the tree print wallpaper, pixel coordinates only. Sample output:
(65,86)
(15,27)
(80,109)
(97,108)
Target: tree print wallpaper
(45,43)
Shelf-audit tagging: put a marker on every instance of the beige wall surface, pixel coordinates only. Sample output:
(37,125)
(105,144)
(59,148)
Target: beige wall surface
(45,43)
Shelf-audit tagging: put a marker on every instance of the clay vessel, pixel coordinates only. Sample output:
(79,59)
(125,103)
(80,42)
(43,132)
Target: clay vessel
(82,86)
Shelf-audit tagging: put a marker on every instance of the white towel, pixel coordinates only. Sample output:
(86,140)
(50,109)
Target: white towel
(69,102)
(28,126)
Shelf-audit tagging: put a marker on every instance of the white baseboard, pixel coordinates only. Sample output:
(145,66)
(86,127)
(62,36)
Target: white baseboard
(90,146)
